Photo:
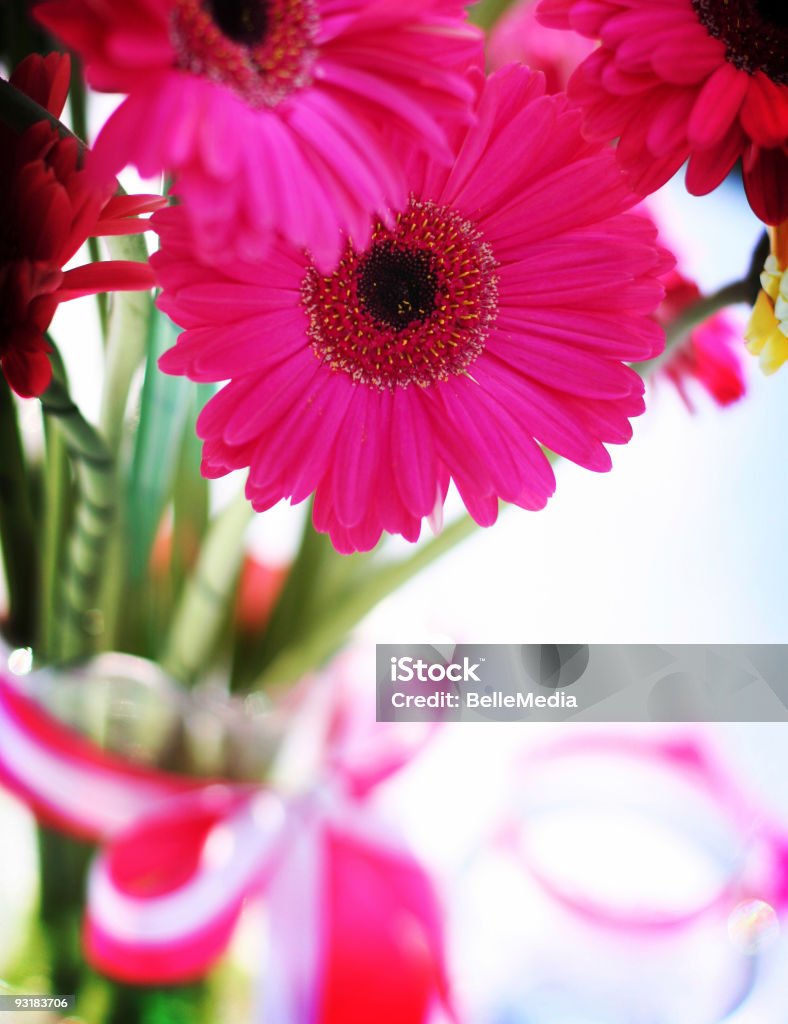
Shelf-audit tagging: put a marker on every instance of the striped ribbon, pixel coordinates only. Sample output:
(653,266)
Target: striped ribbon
(355,931)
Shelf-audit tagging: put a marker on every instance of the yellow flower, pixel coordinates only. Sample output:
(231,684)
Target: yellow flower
(767,331)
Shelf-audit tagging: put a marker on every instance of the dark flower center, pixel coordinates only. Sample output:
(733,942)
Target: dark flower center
(775,12)
(243,21)
(397,285)
(262,49)
(755,33)
(415,308)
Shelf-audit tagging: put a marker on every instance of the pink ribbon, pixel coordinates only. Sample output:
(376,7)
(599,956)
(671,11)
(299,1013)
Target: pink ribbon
(355,926)
(763,868)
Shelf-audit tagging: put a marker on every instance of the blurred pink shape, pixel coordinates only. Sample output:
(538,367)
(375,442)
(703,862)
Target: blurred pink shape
(712,352)
(519,37)
(685,756)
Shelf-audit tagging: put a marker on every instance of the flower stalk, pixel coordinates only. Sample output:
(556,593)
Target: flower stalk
(56,511)
(77,98)
(129,325)
(202,609)
(17,527)
(77,615)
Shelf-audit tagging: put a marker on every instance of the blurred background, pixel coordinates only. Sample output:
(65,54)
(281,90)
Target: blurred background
(587,888)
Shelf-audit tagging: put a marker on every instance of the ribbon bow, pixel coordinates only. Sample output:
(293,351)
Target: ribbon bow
(355,926)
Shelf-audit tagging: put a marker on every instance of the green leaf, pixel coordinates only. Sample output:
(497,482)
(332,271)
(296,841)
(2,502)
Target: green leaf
(18,540)
(191,497)
(164,408)
(80,578)
(487,12)
(131,318)
(207,597)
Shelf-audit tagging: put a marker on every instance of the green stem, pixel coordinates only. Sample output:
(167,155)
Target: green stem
(130,316)
(129,324)
(183,1004)
(90,530)
(57,502)
(17,526)
(114,591)
(204,604)
(302,595)
(191,498)
(77,98)
(20,34)
(753,276)
(64,864)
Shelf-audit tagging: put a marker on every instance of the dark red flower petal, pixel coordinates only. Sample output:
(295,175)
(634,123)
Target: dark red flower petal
(45,80)
(49,205)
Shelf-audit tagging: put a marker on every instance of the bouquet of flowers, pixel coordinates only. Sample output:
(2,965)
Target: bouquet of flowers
(392,256)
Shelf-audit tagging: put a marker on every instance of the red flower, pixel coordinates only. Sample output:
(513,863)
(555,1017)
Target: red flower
(676,80)
(49,209)
(258,591)
(710,354)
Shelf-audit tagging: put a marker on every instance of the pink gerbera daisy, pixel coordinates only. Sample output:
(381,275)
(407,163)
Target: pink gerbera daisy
(704,80)
(277,116)
(496,313)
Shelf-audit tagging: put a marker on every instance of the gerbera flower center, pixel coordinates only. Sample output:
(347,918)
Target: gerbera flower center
(755,33)
(398,286)
(263,49)
(415,308)
(243,21)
